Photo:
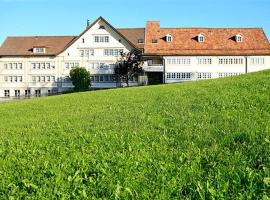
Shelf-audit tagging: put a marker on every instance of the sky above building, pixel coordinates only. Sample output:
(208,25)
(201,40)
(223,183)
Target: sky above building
(68,17)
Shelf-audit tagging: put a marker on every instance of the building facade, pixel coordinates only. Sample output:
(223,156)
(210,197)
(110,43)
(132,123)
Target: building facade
(40,65)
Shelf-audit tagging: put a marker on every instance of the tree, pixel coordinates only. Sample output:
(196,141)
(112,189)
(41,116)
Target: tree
(128,66)
(80,78)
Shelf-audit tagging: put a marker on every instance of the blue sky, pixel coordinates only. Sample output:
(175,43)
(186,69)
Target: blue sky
(68,17)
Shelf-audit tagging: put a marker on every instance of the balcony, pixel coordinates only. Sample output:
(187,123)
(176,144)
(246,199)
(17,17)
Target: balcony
(153,67)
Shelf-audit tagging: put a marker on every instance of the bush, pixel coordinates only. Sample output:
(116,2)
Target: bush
(80,78)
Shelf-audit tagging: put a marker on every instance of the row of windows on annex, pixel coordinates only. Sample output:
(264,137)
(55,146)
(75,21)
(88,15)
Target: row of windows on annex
(100,78)
(221,61)
(86,53)
(199,75)
(200,38)
(27,93)
(108,78)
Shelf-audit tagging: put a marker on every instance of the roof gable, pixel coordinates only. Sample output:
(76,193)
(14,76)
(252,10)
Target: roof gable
(92,25)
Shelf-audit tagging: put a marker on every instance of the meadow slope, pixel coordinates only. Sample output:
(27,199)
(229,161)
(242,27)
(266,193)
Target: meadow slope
(199,140)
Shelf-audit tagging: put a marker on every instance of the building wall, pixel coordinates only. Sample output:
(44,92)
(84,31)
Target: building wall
(194,67)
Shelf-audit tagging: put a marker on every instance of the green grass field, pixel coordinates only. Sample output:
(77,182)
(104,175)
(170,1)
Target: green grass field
(199,140)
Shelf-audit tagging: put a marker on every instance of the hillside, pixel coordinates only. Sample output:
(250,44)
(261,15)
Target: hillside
(198,140)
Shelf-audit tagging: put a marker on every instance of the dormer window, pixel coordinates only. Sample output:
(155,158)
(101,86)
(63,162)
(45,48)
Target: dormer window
(140,41)
(39,50)
(169,38)
(239,38)
(154,41)
(201,38)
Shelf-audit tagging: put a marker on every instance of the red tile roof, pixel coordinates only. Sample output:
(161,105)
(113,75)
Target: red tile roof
(218,41)
(23,46)
(133,34)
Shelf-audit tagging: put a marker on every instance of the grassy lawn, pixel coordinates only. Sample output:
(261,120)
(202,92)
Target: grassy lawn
(199,140)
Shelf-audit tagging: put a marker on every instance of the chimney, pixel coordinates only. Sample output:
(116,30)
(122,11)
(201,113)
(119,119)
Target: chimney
(88,23)
(153,26)
(152,32)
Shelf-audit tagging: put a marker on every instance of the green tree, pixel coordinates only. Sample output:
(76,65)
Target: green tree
(80,78)
(128,66)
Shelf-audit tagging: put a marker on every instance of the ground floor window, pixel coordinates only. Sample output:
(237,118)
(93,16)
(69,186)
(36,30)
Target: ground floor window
(27,92)
(17,93)
(37,93)
(180,75)
(226,74)
(204,75)
(103,78)
(6,93)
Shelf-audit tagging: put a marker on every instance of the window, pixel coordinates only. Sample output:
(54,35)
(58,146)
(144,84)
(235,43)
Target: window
(19,65)
(140,41)
(82,53)
(239,38)
(226,74)
(169,38)
(101,39)
(83,40)
(179,75)
(201,38)
(179,61)
(27,92)
(43,66)
(37,93)
(204,61)
(112,52)
(257,61)
(6,93)
(67,79)
(13,79)
(48,65)
(39,50)
(17,93)
(230,61)
(101,27)
(13,66)
(103,78)
(204,75)
(154,41)
(87,53)
(39,79)
(69,65)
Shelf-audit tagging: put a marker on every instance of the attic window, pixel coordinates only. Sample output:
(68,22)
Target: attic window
(201,38)
(154,41)
(239,38)
(101,27)
(169,38)
(140,41)
(83,40)
(39,50)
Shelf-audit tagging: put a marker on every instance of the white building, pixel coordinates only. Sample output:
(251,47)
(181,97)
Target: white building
(41,64)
